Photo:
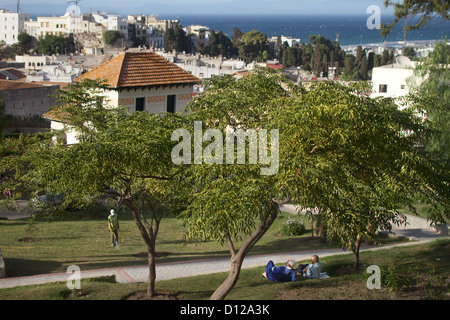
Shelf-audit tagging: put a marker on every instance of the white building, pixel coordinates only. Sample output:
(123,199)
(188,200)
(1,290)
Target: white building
(204,67)
(11,24)
(55,73)
(35,62)
(391,80)
(155,38)
(48,25)
(199,34)
(112,22)
(290,40)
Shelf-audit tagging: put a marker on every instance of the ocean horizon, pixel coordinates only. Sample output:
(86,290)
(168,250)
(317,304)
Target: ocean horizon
(348,29)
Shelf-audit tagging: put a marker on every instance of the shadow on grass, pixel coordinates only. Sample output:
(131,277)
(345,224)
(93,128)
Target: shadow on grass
(24,267)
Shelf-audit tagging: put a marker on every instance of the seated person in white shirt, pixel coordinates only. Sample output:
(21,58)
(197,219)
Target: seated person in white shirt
(311,270)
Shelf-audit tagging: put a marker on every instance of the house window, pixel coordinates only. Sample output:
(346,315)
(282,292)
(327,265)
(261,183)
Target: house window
(140,104)
(402,86)
(171,103)
(383,88)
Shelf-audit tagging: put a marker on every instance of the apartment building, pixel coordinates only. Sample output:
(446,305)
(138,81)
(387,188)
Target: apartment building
(11,24)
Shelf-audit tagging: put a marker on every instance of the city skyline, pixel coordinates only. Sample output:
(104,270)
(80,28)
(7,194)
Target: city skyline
(202,7)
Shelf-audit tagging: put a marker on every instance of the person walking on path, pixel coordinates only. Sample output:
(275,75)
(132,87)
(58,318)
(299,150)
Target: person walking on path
(113,223)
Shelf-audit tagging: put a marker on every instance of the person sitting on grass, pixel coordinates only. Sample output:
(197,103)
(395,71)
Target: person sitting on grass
(311,270)
(280,274)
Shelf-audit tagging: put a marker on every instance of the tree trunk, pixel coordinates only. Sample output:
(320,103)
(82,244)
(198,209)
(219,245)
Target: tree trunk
(230,281)
(237,258)
(355,249)
(151,252)
(149,240)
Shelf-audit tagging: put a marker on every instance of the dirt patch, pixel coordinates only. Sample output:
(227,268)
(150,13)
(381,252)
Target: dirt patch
(328,289)
(347,270)
(79,294)
(142,295)
(339,290)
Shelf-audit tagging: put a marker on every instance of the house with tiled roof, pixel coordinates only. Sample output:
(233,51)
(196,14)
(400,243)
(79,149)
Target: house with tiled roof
(144,81)
(140,81)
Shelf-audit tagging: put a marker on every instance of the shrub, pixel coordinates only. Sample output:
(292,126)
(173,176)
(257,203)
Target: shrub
(293,228)
(391,278)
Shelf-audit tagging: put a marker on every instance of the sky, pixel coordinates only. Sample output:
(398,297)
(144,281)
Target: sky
(180,7)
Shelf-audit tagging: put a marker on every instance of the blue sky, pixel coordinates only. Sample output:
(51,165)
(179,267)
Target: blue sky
(179,7)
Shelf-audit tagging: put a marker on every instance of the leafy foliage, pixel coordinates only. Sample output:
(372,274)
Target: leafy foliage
(111,36)
(293,228)
(53,44)
(408,9)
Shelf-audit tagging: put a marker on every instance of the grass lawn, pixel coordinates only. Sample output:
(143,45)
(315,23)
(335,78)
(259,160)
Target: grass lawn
(85,241)
(426,266)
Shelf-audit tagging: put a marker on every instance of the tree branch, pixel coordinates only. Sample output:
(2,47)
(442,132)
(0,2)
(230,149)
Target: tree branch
(230,245)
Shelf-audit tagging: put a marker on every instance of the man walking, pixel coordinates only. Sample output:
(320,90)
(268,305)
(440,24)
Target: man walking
(113,222)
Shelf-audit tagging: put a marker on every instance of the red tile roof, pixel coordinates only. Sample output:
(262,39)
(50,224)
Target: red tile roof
(137,69)
(274,66)
(57,114)
(17,85)
(11,74)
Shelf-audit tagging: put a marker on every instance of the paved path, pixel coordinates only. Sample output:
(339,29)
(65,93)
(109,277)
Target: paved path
(417,230)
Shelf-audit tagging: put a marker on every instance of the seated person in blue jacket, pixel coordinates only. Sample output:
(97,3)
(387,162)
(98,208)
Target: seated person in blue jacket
(311,270)
(282,274)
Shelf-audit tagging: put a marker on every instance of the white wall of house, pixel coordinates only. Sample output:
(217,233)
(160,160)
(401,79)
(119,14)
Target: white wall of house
(70,134)
(392,80)
(155,98)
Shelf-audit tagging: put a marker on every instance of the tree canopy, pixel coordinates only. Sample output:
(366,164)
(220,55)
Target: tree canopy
(425,10)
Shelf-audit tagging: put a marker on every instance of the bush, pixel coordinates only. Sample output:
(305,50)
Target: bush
(293,228)
(391,278)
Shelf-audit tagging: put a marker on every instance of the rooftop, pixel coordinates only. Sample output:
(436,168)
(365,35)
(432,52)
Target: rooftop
(18,85)
(11,74)
(139,69)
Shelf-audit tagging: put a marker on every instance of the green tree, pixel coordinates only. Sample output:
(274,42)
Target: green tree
(176,39)
(234,201)
(346,154)
(24,44)
(218,44)
(432,80)
(52,44)
(111,36)
(290,57)
(236,40)
(253,47)
(126,157)
(409,52)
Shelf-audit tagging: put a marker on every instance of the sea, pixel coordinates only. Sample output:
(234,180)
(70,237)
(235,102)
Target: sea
(349,30)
